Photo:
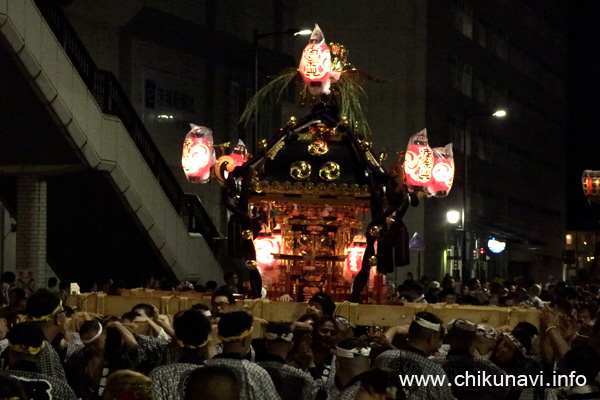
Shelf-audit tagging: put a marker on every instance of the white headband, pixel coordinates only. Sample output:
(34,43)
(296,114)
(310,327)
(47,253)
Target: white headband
(96,336)
(207,313)
(517,344)
(487,332)
(273,336)
(426,324)
(345,353)
(462,324)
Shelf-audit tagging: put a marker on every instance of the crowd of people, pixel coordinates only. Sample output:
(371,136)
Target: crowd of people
(49,351)
(496,292)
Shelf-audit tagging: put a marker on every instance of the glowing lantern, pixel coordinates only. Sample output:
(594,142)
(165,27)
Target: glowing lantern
(418,162)
(197,157)
(315,65)
(496,246)
(591,185)
(354,259)
(239,153)
(442,175)
(265,246)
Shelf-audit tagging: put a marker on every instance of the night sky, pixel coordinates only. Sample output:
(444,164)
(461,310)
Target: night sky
(583,130)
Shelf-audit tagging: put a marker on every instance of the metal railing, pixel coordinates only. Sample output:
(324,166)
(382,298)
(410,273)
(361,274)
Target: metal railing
(112,99)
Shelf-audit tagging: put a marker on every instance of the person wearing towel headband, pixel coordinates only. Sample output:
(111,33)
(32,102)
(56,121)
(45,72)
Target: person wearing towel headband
(291,383)
(235,331)
(425,335)
(47,311)
(461,358)
(107,349)
(352,359)
(511,354)
(25,345)
(189,350)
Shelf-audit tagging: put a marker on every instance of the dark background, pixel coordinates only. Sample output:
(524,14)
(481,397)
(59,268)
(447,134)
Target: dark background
(583,130)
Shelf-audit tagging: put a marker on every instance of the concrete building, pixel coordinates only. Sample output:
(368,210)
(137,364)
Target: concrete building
(450,65)
(485,56)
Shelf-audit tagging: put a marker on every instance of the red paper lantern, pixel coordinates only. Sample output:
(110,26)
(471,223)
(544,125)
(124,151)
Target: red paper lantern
(197,156)
(354,259)
(418,164)
(197,159)
(442,175)
(238,159)
(265,246)
(239,153)
(315,67)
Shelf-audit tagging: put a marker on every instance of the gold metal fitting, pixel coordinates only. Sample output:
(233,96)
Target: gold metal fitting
(276,186)
(262,144)
(365,145)
(318,148)
(258,187)
(375,231)
(330,171)
(344,189)
(300,170)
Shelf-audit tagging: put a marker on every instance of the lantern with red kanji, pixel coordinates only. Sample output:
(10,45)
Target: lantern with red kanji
(442,175)
(354,258)
(315,65)
(265,247)
(197,157)
(418,162)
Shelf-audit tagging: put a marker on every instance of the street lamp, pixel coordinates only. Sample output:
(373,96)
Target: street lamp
(257,36)
(453,216)
(466,118)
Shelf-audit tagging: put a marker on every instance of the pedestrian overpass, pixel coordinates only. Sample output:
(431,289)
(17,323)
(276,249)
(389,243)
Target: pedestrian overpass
(89,190)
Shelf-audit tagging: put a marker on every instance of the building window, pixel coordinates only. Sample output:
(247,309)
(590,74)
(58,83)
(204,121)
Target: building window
(457,128)
(463,18)
(461,76)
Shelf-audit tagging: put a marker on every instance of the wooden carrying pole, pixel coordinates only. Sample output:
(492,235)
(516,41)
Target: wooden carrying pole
(275,311)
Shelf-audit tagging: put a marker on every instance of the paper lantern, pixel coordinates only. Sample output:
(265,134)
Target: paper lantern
(442,174)
(265,246)
(354,258)
(239,153)
(315,64)
(418,161)
(590,181)
(197,157)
